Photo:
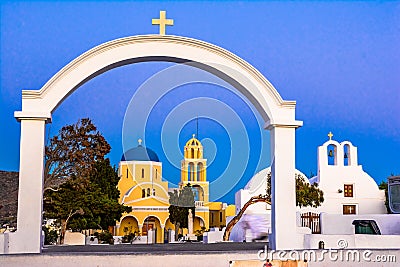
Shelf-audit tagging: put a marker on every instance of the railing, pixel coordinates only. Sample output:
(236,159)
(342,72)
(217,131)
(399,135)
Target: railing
(199,203)
(312,221)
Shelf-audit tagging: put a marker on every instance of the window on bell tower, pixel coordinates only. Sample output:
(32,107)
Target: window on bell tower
(191,171)
(332,154)
(346,155)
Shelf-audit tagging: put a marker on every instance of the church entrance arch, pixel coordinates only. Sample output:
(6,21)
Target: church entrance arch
(152,229)
(128,225)
(38,105)
(198,223)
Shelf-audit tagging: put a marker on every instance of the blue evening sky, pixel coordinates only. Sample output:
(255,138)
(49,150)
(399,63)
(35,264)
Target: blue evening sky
(339,60)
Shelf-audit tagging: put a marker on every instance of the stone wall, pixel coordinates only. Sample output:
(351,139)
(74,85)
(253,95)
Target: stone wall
(337,224)
(8,198)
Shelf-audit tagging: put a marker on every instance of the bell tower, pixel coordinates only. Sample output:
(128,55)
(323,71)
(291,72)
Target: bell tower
(194,169)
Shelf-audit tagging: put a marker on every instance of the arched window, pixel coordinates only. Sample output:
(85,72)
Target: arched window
(195,193)
(346,155)
(127,172)
(332,155)
(143,192)
(191,171)
(148,192)
(198,193)
(192,154)
(156,173)
(200,172)
(154,191)
(142,173)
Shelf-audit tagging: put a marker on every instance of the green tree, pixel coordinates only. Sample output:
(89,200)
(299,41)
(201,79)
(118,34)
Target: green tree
(180,203)
(306,194)
(73,152)
(94,206)
(83,184)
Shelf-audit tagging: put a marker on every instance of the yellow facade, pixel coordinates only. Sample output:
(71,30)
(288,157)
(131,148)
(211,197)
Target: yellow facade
(142,188)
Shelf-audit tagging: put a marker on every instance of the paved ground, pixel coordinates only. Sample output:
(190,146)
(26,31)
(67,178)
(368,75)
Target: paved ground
(184,255)
(158,249)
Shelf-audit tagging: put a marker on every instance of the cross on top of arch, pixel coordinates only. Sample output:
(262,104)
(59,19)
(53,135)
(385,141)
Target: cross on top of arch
(163,22)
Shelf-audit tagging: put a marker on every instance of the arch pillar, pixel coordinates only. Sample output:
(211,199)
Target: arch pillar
(140,228)
(283,185)
(27,238)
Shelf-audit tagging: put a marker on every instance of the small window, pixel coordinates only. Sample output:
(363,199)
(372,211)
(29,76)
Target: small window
(349,209)
(148,192)
(127,172)
(142,173)
(220,216)
(143,193)
(154,191)
(348,190)
(156,173)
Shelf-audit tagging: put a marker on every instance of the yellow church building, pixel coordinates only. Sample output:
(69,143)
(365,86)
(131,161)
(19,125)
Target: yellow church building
(141,187)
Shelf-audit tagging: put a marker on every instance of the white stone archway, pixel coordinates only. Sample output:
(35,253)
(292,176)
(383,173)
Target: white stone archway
(38,105)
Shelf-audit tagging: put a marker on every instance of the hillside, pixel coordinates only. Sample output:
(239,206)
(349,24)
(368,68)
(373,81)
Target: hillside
(8,198)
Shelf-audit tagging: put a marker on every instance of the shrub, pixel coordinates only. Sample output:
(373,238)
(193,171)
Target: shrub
(50,236)
(105,237)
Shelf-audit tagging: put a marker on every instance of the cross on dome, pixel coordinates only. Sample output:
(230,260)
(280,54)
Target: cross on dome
(140,141)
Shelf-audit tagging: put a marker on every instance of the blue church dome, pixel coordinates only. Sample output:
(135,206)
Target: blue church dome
(140,153)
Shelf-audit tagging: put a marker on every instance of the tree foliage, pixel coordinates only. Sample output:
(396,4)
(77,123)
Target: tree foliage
(94,206)
(87,195)
(306,194)
(180,203)
(73,152)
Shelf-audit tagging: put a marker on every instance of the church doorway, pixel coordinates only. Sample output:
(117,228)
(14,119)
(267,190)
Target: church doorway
(152,229)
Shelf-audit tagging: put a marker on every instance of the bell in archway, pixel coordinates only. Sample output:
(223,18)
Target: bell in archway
(330,153)
(345,155)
